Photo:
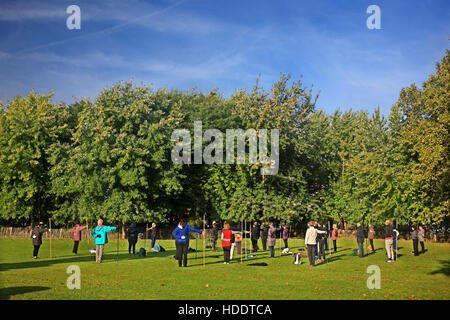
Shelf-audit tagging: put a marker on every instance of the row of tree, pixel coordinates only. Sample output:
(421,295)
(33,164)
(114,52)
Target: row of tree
(111,157)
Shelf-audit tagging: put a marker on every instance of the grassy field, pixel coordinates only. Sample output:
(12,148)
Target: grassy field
(158,276)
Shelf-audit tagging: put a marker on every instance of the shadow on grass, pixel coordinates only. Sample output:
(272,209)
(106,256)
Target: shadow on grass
(6,293)
(444,269)
(107,257)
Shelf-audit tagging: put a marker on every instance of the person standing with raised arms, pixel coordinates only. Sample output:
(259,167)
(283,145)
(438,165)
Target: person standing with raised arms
(311,242)
(101,238)
(181,235)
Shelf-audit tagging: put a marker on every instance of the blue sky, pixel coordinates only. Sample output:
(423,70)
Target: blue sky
(223,44)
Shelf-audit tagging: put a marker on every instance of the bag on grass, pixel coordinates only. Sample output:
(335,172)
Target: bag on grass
(297,257)
(156,248)
(142,252)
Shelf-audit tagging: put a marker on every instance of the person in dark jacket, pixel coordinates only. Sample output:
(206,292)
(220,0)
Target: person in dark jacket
(285,236)
(415,239)
(36,235)
(132,236)
(371,236)
(215,235)
(255,236)
(264,234)
(76,235)
(389,241)
(360,236)
(181,235)
(321,240)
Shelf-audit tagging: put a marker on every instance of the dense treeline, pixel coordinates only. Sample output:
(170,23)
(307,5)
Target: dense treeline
(111,157)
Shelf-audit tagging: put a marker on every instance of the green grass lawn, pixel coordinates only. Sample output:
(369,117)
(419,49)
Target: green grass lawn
(158,276)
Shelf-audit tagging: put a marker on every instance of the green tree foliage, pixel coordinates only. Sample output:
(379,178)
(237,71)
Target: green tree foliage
(111,157)
(28,127)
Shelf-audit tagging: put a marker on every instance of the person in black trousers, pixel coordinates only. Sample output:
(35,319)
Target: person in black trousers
(255,236)
(415,239)
(360,236)
(215,235)
(132,235)
(36,235)
(264,233)
(421,236)
(321,238)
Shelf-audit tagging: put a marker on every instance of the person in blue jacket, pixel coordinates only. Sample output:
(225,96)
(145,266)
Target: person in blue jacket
(181,235)
(101,238)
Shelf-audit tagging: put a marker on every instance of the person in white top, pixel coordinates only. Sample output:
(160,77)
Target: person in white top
(310,241)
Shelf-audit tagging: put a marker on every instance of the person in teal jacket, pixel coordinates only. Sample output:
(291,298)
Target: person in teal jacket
(181,235)
(101,238)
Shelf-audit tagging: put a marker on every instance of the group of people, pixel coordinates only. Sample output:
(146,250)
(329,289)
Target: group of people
(390,239)
(99,234)
(316,239)
(266,232)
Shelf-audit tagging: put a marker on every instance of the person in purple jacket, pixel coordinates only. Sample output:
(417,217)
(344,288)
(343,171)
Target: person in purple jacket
(181,235)
(285,236)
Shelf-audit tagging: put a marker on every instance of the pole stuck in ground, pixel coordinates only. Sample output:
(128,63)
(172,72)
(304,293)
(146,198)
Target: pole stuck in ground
(242,226)
(50,226)
(245,239)
(204,240)
(329,238)
(146,235)
(117,254)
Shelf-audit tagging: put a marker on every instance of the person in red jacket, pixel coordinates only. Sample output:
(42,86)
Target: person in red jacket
(334,236)
(76,235)
(226,243)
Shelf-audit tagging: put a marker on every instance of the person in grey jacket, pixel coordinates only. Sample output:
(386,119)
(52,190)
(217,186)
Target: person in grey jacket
(36,235)
(415,239)
(272,238)
(360,236)
(421,236)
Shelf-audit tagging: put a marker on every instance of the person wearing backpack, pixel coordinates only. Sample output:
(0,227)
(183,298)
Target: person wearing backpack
(272,238)
(181,235)
(132,236)
(226,237)
(76,236)
(101,238)
(36,235)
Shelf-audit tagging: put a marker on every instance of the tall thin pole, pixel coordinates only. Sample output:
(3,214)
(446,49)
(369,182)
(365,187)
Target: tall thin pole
(203,240)
(329,236)
(117,254)
(396,239)
(281,234)
(50,225)
(146,235)
(242,225)
(87,234)
(245,239)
